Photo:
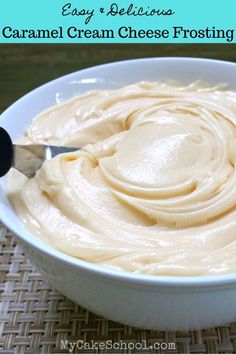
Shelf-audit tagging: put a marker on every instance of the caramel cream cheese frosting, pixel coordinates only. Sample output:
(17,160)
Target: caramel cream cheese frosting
(153,187)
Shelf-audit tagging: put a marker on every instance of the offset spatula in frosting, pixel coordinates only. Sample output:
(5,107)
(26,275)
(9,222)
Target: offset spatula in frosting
(26,158)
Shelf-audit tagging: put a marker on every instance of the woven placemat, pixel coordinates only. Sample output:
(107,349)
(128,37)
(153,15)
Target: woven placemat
(34,318)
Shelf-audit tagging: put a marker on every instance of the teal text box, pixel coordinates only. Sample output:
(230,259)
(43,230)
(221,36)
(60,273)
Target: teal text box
(122,21)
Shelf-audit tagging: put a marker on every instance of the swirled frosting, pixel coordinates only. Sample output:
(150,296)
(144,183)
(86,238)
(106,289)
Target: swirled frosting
(153,187)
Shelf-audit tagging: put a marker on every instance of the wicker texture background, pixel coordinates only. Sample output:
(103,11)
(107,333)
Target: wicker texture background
(34,318)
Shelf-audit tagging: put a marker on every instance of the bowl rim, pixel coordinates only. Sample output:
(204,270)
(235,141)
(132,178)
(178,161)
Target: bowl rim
(203,281)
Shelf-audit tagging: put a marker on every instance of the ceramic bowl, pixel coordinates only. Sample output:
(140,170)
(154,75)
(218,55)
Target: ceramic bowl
(144,301)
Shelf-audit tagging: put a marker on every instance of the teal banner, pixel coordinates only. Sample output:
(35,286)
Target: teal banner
(121,21)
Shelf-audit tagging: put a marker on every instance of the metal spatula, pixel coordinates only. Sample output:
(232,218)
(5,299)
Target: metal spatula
(26,158)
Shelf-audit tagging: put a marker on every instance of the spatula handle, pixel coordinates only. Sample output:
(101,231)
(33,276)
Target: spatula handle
(6,152)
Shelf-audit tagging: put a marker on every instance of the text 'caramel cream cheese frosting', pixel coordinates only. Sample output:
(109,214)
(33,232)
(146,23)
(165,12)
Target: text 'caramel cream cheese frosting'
(153,188)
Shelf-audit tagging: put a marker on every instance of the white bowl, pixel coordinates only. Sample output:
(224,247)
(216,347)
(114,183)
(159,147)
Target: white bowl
(145,301)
